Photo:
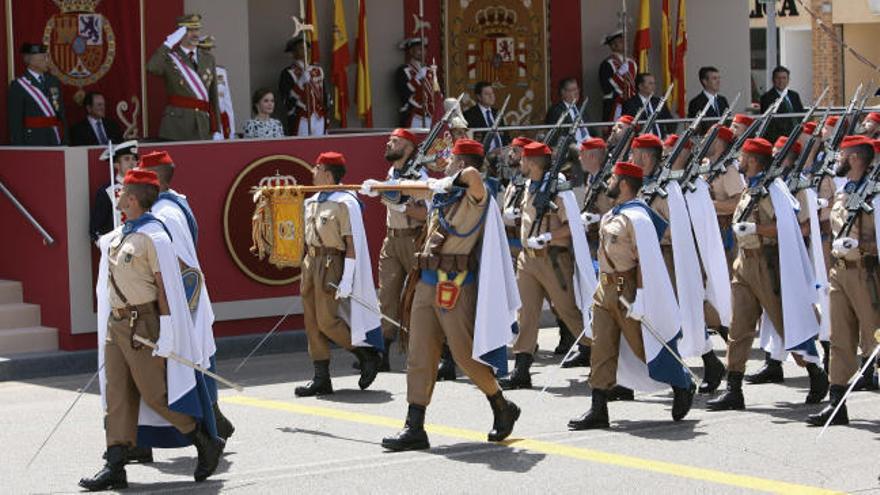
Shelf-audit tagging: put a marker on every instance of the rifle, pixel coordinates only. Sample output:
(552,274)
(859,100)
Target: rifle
(651,191)
(775,170)
(860,201)
(413,163)
(654,116)
(487,138)
(794,181)
(692,169)
(551,135)
(770,112)
(543,201)
(600,182)
(851,126)
(832,146)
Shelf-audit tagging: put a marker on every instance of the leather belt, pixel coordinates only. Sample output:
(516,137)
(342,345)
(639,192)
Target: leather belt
(137,310)
(410,232)
(617,278)
(844,264)
(324,251)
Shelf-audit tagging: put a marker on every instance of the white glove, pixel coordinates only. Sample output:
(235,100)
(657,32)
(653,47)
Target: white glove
(400,208)
(175,37)
(345,285)
(166,337)
(423,72)
(217,136)
(367,187)
(623,69)
(510,216)
(441,185)
(588,218)
(841,247)
(637,308)
(822,203)
(742,229)
(539,242)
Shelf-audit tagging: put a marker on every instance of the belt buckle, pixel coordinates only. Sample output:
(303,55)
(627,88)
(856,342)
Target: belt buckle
(841,263)
(132,318)
(605,278)
(620,281)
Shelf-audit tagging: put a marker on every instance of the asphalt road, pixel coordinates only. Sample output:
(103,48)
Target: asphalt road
(331,445)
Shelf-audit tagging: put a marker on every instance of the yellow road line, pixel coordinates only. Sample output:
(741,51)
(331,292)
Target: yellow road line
(626,461)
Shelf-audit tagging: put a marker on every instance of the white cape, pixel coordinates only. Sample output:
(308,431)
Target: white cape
(584,278)
(688,277)
(820,271)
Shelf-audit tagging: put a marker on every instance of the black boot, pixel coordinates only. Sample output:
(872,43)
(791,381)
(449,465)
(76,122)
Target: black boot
(566,339)
(413,435)
(770,373)
(826,354)
(520,377)
(818,384)
(385,364)
(225,429)
(682,400)
(713,373)
(370,362)
(209,450)
(732,398)
(620,393)
(136,455)
(836,393)
(581,358)
(505,414)
(112,475)
(596,417)
(723,332)
(446,370)
(320,384)
(866,381)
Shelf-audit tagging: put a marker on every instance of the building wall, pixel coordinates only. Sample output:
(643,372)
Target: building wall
(795,53)
(863,39)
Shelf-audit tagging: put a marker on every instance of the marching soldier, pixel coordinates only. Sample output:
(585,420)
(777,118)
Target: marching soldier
(592,157)
(334,257)
(726,189)
(140,293)
(35,106)
(855,305)
(104,216)
(623,123)
(871,125)
(617,77)
(513,193)
(192,112)
(304,92)
(416,85)
(628,269)
(740,123)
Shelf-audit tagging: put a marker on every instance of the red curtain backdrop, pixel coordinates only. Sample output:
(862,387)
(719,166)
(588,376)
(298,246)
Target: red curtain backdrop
(565,45)
(432,17)
(160,21)
(4,87)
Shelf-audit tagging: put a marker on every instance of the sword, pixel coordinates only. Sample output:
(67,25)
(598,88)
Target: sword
(853,382)
(559,366)
(189,364)
(82,391)
(652,331)
(372,309)
(113,211)
(264,339)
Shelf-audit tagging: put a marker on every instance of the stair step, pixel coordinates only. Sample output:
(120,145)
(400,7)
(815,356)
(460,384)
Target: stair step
(19,315)
(10,292)
(28,339)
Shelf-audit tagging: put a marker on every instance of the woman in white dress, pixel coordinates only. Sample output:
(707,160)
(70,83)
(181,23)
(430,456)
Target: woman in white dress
(263,125)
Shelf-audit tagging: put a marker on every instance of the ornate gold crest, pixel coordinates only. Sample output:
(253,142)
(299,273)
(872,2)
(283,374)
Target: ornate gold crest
(81,43)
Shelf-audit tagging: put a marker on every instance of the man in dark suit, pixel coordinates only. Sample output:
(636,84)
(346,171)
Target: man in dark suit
(569,96)
(710,78)
(483,114)
(35,107)
(791,104)
(96,128)
(646,85)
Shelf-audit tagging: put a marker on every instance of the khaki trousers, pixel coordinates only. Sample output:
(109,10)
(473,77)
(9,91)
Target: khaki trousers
(320,306)
(752,292)
(537,280)
(430,325)
(396,259)
(853,320)
(609,323)
(132,375)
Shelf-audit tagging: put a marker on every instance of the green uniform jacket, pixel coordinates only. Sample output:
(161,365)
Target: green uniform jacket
(186,124)
(21,105)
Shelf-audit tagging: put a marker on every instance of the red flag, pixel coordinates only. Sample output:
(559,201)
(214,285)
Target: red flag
(363,94)
(666,48)
(312,19)
(680,52)
(341,61)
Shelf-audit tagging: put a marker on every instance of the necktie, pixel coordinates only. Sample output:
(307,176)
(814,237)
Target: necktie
(581,132)
(102,136)
(715,105)
(491,122)
(192,57)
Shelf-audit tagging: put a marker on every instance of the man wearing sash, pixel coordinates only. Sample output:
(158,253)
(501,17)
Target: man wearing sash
(192,112)
(416,84)
(36,109)
(617,77)
(104,214)
(304,93)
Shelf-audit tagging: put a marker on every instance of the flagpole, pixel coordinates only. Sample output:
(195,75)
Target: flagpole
(306,46)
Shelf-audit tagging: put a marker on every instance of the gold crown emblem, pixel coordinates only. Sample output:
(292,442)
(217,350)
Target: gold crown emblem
(496,18)
(68,6)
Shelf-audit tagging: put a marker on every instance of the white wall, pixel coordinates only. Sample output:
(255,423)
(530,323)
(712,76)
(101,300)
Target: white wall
(796,53)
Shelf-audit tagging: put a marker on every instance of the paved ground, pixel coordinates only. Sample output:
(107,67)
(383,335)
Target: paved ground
(331,445)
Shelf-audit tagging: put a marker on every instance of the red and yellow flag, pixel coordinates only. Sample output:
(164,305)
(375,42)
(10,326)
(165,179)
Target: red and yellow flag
(341,61)
(642,42)
(678,70)
(363,94)
(312,19)
(666,47)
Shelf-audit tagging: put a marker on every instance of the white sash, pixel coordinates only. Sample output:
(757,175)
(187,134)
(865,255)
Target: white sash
(191,77)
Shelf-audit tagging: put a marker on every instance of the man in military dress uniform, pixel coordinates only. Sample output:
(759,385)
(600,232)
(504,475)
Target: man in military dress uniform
(104,215)
(192,112)
(304,93)
(35,107)
(416,85)
(617,77)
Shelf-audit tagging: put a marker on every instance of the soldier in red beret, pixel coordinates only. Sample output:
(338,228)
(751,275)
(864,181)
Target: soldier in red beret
(726,189)
(623,123)
(741,122)
(871,125)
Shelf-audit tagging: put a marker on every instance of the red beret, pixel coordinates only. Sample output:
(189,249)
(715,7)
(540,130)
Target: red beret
(536,149)
(628,169)
(330,158)
(672,139)
(647,141)
(626,119)
(783,140)
(852,141)
(832,121)
(873,116)
(593,144)
(725,134)
(758,146)
(405,134)
(809,128)
(467,147)
(521,141)
(155,159)
(141,176)
(743,119)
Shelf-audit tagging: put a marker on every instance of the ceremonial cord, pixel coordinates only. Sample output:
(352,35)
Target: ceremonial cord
(837,39)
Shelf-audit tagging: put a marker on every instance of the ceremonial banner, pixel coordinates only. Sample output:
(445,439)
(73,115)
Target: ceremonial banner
(642,41)
(363,93)
(505,45)
(680,92)
(341,61)
(94,45)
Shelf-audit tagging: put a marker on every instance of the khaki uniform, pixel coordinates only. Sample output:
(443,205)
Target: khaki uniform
(544,274)
(755,284)
(444,252)
(619,275)
(396,259)
(602,205)
(727,186)
(180,123)
(855,312)
(512,231)
(327,225)
(134,374)
(826,192)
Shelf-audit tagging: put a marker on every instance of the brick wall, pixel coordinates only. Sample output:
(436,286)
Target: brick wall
(827,56)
